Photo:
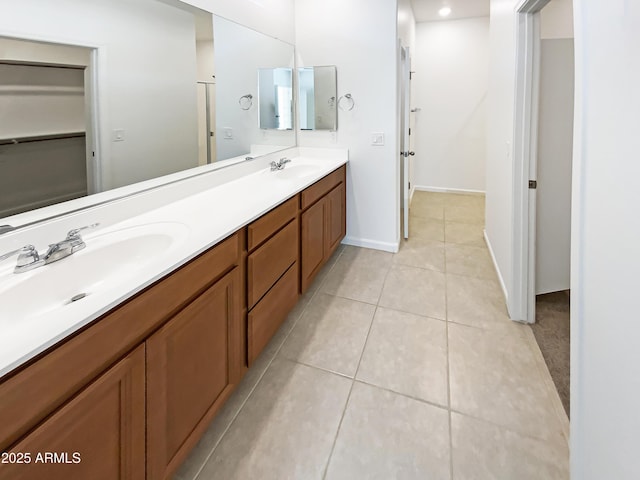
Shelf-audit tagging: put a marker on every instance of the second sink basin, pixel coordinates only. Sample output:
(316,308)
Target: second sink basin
(107,260)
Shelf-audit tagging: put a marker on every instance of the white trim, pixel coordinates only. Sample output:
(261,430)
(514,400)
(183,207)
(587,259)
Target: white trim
(463,191)
(392,247)
(497,268)
(413,190)
(521,303)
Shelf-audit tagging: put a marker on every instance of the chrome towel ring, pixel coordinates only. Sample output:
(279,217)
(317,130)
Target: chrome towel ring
(350,103)
(246,101)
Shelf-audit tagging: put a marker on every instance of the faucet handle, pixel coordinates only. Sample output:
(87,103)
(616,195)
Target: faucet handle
(28,258)
(75,233)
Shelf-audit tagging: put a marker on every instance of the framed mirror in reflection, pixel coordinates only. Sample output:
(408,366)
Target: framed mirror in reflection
(317,98)
(101,94)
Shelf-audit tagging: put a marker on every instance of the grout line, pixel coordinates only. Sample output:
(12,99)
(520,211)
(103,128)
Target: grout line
(353,380)
(521,433)
(313,295)
(446,310)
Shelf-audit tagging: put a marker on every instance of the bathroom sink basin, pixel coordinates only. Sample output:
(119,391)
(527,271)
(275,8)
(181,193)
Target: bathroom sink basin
(297,171)
(108,260)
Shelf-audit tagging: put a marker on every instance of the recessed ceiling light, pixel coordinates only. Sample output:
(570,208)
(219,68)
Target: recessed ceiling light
(444,11)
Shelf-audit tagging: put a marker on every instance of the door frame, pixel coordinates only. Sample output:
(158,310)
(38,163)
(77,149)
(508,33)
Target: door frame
(405,112)
(525,145)
(93,103)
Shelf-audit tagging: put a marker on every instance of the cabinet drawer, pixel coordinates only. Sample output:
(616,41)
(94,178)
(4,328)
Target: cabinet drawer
(270,312)
(32,393)
(267,264)
(321,187)
(271,222)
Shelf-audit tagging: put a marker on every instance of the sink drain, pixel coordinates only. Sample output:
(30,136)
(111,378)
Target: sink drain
(77,297)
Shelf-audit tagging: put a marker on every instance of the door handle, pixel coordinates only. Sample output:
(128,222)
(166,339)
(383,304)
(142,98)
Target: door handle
(406,154)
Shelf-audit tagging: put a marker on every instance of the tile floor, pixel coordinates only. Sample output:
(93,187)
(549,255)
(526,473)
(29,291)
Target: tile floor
(400,366)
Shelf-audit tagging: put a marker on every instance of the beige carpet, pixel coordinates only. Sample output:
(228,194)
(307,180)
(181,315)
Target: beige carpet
(552,331)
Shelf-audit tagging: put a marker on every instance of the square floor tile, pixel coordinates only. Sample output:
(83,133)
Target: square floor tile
(484,451)
(415,290)
(426,229)
(476,301)
(420,253)
(469,260)
(388,436)
(464,234)
(331,334)
(286,429)
(494,377)
(464,214)
(407,353)
(358,274)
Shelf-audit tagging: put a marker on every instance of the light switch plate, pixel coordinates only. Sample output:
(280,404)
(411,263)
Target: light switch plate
(228,133)
(377,139)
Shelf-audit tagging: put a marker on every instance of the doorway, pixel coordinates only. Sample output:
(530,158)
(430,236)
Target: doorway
(45,124)
(543,149)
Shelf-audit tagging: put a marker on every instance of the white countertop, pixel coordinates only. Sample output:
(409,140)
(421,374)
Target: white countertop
(202,219)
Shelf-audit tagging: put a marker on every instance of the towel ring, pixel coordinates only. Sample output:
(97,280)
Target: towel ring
(246,101)
(351,102)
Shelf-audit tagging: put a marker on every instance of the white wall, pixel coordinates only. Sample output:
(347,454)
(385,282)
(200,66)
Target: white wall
(360,38)
(145,49)
(272,17)
(605,333)
(500,104)
(451,82)
(555,152)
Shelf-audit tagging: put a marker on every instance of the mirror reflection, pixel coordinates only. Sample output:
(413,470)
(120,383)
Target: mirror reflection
(99,94)
(276,98)
(317,94)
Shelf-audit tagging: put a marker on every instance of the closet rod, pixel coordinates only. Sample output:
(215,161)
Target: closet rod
(41,138)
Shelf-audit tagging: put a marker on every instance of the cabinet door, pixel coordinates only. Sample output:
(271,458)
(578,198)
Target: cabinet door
(312,242)
(193,363)
(336,218)
(99,434)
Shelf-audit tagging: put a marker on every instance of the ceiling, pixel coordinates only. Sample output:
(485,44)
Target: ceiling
(427,10)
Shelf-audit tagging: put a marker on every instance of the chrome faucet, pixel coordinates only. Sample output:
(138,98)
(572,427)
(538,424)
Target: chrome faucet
(70,245)
(29,258)
(280,164)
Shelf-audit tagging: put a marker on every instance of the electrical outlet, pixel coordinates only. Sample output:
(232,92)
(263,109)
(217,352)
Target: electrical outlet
(118,135)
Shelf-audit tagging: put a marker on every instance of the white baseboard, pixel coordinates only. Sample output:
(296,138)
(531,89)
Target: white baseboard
(425,188)
(376,245)
(495,265)
(411,192)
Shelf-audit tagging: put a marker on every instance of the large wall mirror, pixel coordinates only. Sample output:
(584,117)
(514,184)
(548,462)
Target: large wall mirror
(100,94)
(317,98)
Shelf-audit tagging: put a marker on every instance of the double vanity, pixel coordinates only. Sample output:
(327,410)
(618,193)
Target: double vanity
(117,357)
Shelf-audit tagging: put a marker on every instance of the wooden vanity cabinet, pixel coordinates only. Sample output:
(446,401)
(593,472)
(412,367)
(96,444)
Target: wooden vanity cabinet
(192,368)
(99,434)
(272,273)
(133,391)
(322,223)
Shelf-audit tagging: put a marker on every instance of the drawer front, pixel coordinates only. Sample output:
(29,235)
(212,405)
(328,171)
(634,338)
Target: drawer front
(267,264)
(267,316)
(323,186)
(271,222)
(34,392)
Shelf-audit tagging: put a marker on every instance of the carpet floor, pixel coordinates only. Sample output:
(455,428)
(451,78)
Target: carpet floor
(552,332)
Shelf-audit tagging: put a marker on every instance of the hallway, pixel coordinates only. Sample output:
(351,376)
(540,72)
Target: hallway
(396,366)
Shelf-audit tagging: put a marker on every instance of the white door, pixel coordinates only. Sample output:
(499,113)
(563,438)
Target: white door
(405,144)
